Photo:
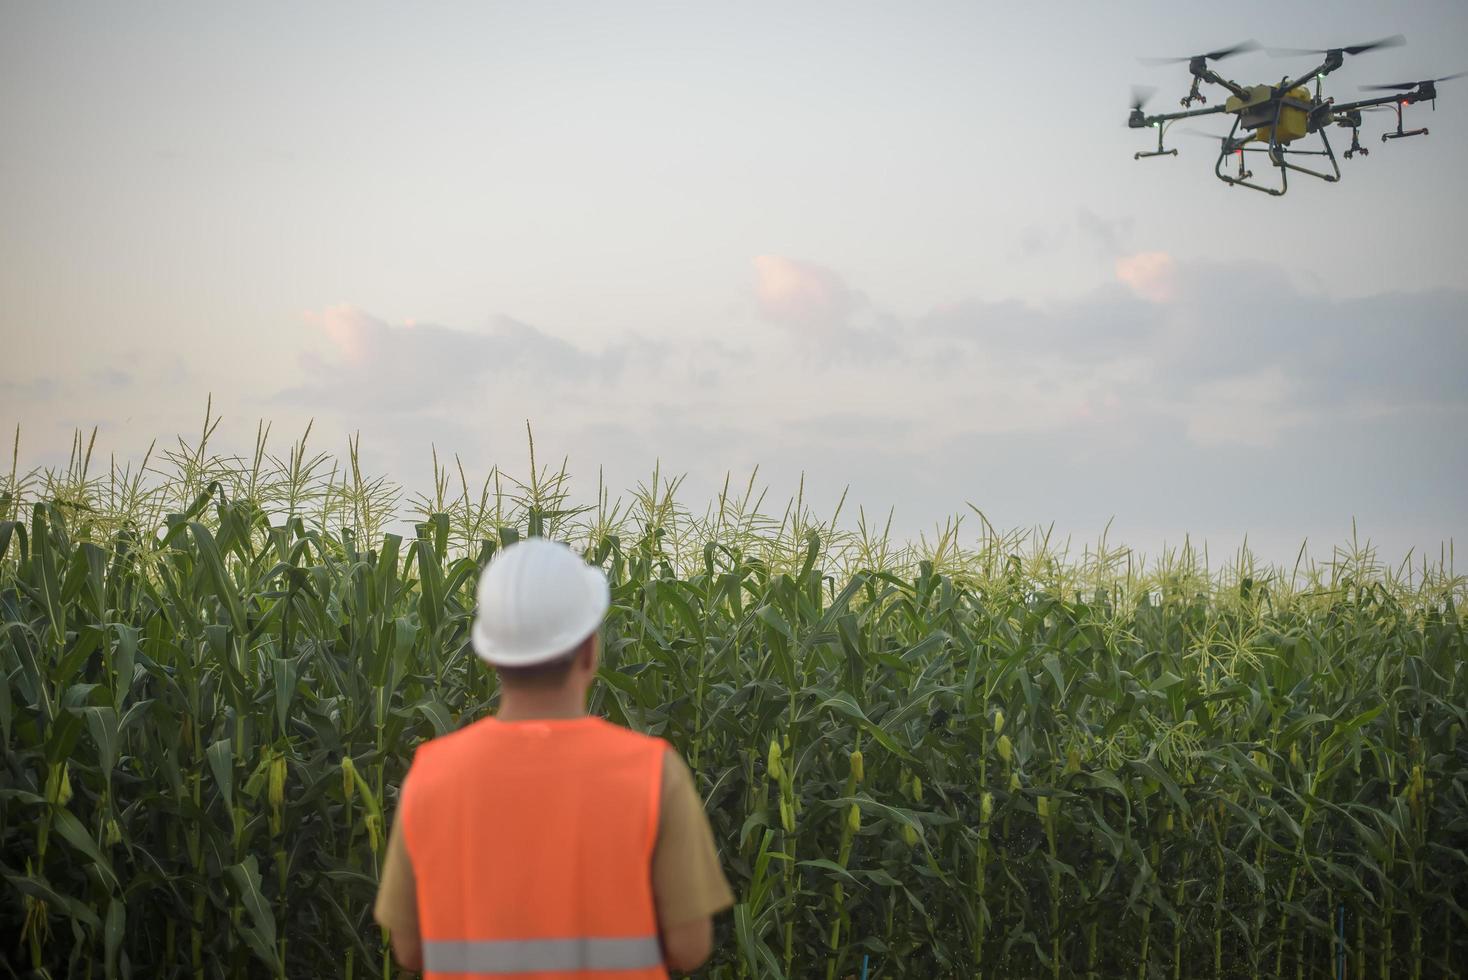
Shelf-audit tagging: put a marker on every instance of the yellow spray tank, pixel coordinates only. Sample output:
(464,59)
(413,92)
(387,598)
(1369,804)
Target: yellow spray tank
(1256,112)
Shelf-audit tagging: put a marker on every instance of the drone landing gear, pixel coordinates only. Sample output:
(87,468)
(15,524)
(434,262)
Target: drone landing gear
(1159,152)
(1279,155)
(1243,174)
(1400,134)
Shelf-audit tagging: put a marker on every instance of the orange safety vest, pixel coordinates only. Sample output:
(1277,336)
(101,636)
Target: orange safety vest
(531,844)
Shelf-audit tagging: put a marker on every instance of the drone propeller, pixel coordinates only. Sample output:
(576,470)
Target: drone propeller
(1407,86)
(1396,40)
(1190,131)
(1209,56)
(1140,95)
(1231,144)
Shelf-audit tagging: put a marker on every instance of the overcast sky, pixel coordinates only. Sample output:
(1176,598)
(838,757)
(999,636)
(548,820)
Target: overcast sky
(900,248)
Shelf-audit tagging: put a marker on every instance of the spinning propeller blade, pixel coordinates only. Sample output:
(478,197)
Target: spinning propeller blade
(1396,40)
(1407,86)
(1222,139)
(1209,56)
(1140,95)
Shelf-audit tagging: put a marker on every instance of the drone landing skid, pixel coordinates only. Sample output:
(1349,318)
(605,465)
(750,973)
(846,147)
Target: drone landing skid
(1279,155)
(1159,152)
(1401,133)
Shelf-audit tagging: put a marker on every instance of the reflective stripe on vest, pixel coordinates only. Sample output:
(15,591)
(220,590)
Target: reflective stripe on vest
(540,955)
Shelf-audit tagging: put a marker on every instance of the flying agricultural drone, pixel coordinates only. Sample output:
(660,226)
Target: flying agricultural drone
(1271,119)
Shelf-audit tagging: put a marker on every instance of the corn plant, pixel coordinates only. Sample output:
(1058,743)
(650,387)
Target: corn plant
(956,757)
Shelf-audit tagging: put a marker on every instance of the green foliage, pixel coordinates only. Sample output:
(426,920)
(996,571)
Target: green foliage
(953,762)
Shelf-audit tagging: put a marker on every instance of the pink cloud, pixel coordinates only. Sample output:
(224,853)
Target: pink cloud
(353,333)
(1151,275)
(802,294)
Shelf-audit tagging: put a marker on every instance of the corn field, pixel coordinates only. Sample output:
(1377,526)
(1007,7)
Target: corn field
(977,754)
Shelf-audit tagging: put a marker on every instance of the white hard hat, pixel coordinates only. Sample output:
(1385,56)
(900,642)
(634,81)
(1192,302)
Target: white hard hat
(537,600)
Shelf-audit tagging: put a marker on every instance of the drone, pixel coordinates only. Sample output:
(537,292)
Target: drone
(1276,119)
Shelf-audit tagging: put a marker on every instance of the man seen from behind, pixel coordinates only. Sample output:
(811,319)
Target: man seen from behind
(542,841)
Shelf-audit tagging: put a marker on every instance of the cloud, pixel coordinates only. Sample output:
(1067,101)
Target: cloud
(1151,275)
(1098,235)
(803,296)
(1196,396)
(1170,349)
(1229,321)
(1251,409)
(1104,324)
(1179,388)
(1176,344)
(30,389)
(373,365)
(350,331)
(1107,234)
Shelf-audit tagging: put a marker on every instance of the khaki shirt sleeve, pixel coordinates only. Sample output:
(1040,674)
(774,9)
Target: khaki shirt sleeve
(687,880)
(396,908)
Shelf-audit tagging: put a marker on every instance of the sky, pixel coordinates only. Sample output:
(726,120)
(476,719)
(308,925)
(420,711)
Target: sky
(902,251)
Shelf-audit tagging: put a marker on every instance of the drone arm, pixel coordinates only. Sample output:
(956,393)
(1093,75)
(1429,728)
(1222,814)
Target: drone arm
(1208,75)
(1139,121)
(1333,60)
(1368,103)
(1170,116)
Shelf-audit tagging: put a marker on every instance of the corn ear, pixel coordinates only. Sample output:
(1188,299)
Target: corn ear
(275,792)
